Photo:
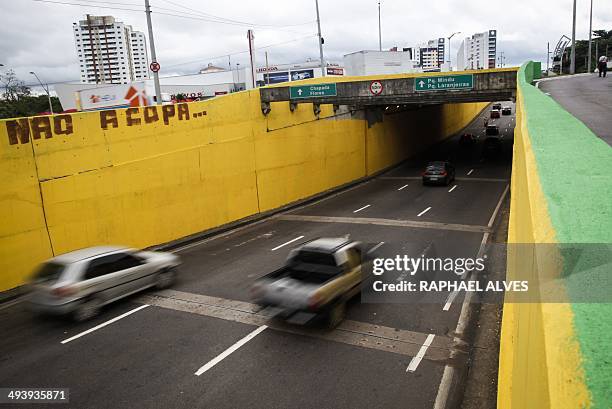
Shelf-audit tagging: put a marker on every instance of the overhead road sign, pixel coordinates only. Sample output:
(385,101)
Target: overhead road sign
(312,91)
(444,82)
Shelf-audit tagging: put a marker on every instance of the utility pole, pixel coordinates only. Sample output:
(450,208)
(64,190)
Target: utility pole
(46,89)
(267,74)
(573,53)
(158,99)
(590,37)
(547,57)
(379,29)
(320,39)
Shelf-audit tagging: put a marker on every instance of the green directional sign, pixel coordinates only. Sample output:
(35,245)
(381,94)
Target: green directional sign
(312,91)
(444,82)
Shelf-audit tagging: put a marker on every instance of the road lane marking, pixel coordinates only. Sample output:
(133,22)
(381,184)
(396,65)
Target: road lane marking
(449,300)
(386,222)
(361,208)
(376,247)
(416,360)
(470,172)
(289,242)
(354,333)
(104,324)
(459,178)
(424,211)
(403,187)
(230,350)
(452,188)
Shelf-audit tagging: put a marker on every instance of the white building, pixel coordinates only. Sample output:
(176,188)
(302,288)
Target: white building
(430,55)
(478,52)
(109,51)
(380,62)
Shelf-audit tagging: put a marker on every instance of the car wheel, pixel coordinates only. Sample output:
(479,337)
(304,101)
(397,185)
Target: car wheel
(166,278)
(336,315)
(87,310)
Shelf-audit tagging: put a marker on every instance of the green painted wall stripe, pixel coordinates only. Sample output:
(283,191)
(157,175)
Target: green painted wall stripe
(574,170)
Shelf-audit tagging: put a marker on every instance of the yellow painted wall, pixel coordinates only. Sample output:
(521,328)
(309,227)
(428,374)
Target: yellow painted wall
(147,176)
(539,360)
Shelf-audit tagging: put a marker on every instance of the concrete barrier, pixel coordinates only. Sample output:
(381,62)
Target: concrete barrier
(146,176)
(554,355)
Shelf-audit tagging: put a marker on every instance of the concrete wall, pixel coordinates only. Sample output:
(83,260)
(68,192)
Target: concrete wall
(146,176)
(555,355)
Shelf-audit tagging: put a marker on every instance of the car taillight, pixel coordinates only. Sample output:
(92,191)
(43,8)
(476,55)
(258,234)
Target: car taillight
(443,173)
(314,302)
(64,291)
(423,173)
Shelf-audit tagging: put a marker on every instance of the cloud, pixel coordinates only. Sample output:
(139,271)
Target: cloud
(36,36)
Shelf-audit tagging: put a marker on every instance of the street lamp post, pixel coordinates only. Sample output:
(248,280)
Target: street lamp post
(320,39)
(379,29)
(46,90)
(573,52)
(590,37)
(450,64)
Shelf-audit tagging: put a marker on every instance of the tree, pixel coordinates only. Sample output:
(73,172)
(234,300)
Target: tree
(14,88)
(603,39)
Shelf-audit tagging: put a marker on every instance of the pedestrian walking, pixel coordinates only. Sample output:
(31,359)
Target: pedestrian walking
(603,65)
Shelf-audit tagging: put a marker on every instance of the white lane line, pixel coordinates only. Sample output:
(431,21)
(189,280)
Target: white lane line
(416,360)
(361,208)
(376,247)
(289,242)
(230,350)
(104,324)
(470,172)
(449,300)
(423,212)
(452,188)
(403,187)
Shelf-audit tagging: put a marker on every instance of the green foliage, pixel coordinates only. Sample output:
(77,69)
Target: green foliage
(27,106)
(603,39)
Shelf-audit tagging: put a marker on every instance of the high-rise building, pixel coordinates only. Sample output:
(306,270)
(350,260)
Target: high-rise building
(109,51)
(478,52)
(430,55)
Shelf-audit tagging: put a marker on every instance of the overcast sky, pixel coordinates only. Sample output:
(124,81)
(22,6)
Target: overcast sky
(37,36)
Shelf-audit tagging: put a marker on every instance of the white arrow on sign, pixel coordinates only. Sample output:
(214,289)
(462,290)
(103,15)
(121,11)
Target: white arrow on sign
(299,91)
(421,83)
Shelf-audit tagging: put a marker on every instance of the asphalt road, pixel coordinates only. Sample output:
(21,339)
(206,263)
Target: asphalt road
(148,359)
(588,98)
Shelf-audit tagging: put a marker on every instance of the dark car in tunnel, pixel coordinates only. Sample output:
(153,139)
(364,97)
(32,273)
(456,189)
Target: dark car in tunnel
(492,146)
(439,172)
(492,130)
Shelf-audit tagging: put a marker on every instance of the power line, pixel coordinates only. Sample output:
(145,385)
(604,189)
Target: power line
(240,52)
(210,18)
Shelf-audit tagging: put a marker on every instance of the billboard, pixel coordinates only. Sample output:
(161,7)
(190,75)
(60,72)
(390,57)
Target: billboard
(113,96)
(301,75)
(335,71)
(276,77)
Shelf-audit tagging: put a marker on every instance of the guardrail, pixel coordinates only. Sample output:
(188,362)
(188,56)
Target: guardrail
(555,354)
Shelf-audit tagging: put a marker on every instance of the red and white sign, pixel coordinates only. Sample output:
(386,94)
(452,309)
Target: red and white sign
(154,66)
(376,87)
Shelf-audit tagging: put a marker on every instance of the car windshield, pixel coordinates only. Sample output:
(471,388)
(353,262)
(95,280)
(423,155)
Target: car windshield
(49,271)
(435,166)
(315,257)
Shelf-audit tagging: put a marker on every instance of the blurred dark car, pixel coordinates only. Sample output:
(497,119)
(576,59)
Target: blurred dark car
(439,172)
(467,139)
(495,113)
(497,106)
(492,146)
(492,130)
(506,111)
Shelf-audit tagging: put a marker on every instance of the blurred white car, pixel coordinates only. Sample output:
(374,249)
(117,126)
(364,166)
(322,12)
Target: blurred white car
(82,281)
